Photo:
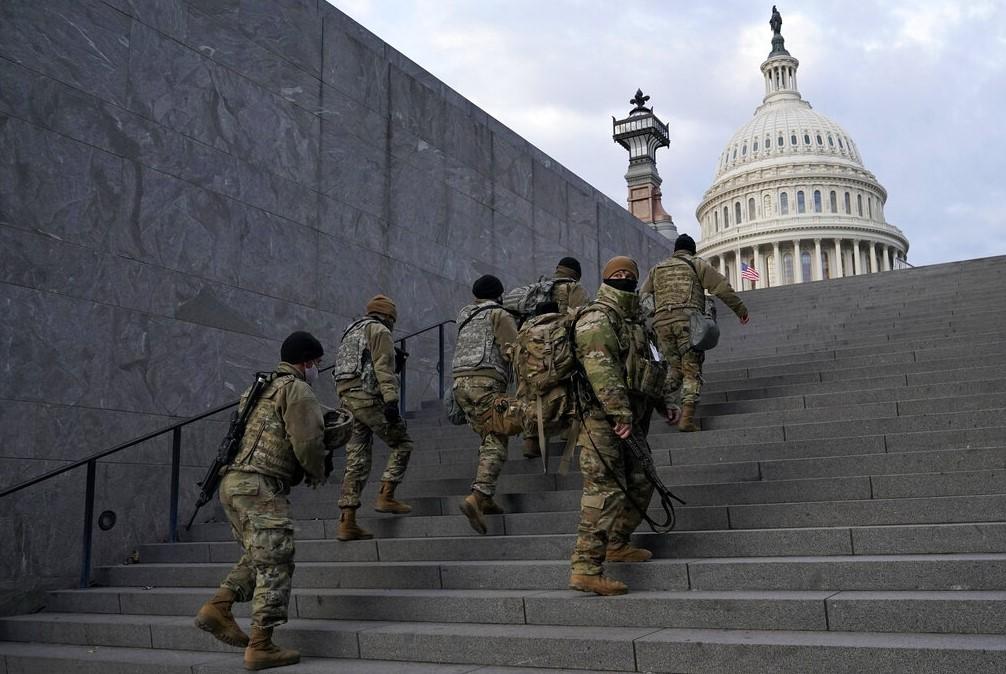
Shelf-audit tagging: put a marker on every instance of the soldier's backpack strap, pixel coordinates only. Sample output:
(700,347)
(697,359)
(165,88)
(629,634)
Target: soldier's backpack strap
(357,322)
(479,310)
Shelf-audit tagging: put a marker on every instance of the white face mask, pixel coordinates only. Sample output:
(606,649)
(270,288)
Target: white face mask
(311,374)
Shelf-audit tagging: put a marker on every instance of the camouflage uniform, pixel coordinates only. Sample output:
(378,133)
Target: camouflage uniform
(481,372)
(613,347)
(366,381)
(677,293)
(283,441)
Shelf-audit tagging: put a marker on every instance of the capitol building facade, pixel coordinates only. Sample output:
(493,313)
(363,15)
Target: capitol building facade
(791,196)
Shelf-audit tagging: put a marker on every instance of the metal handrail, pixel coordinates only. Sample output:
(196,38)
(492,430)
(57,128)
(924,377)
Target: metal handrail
(440,362)
(176,430)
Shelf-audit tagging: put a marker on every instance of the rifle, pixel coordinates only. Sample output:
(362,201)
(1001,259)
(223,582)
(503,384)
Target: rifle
(229,446)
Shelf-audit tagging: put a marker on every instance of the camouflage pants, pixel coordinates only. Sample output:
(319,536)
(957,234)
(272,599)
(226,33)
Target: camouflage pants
(606,515)
(368,419)
(684,364)
(476,396)
(259,513)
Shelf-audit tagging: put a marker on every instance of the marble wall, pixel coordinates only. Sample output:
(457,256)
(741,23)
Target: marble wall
(187,181)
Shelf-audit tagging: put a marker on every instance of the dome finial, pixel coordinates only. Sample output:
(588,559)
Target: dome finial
(778,43)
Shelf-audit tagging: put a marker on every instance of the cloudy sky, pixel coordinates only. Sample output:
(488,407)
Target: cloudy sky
(920,85)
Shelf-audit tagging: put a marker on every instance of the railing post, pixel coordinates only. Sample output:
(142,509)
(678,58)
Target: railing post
(176,460)
(440,361)
(85,564)
(401,395)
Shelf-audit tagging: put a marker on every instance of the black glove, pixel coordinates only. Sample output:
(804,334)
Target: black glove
(391,412)
(401,356)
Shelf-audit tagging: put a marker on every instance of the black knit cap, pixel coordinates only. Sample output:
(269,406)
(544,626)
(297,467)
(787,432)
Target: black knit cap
(685,242)
(300,347)
(571,263)
(487,287)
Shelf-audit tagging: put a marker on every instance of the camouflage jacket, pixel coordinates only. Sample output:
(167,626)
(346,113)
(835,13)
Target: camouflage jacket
(365,362)
(675,286)
(610,342)
(286,431)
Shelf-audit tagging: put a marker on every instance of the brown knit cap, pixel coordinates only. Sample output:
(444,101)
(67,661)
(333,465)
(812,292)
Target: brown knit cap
(620,263)
(381,304)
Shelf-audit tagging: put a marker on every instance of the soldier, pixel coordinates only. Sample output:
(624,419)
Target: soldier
(567,291)
(481,374)
(678,285)
(283,442)
(613,349)
(568,294)
(366,382)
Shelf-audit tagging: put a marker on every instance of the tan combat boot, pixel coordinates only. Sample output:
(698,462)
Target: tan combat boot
(216,618)
(599,584)
(262,653)
(531,449)
(471,507)
(490,507)
(348,529)
(386,502)
(626,552)
(687,422)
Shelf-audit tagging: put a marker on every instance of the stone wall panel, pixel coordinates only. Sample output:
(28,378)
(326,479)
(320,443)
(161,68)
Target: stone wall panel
(84,43)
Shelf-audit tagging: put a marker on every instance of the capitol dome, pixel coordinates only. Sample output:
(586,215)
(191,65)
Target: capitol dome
(791,196)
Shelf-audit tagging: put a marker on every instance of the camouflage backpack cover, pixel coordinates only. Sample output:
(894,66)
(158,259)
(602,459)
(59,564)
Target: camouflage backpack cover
(524,299)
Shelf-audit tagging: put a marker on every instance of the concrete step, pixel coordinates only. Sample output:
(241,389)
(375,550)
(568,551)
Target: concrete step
(717,651)
(964,571)
(919,539)
(649,649)
(933,612)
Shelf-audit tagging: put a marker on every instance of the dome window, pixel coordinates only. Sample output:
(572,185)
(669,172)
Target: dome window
(831,142)
(768,143)
(792,139)
(726,217)
(784,204)
(737,213)
(751,209)
(716,220)
(735,153)
(780,142)
(848,206)
(755,147)
(833,202)
(817,201)
(820,141)
(744,150)
(806,139)
(859,204)
(840,145)
(801,202)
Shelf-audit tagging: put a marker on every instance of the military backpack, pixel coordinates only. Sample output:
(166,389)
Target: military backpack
(523,300)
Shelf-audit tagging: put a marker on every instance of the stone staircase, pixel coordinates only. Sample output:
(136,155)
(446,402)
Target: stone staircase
(846,513)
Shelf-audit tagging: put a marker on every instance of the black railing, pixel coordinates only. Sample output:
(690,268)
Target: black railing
(176,453)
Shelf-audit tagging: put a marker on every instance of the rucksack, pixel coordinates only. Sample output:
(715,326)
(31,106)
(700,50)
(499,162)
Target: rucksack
(543,353)
(523,300)
(704,333)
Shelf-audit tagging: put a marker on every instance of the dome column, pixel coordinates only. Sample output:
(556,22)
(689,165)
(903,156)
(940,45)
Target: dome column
(873,257)
(723,266)
(887,258)
(797,262)
(837,267)
(817,268)
(777,259)
(856,271)
(737,269)
(760,266)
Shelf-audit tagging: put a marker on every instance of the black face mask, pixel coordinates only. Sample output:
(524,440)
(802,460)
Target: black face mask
(626,285)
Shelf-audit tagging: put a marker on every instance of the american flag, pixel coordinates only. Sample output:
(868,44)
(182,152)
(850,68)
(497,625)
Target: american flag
(748,272)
